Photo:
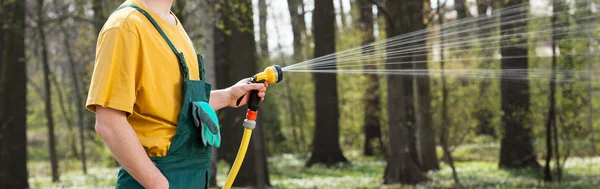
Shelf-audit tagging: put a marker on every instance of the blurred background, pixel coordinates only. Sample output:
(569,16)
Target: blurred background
(331,130)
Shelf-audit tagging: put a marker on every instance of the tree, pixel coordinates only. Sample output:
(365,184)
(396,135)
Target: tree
(551,120)
(99,14)
(265,118)
(298,118)
(461,9)
(326,144)
(235,48)
(372,125)
(425,135)
(262,20)
(516,150)
(47,91)
(298,26)
(401,167)
(484,114)
(342,17)
(13,102)
(445,120)
(79,101)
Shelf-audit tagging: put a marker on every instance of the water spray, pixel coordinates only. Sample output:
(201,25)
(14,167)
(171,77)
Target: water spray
(272,74)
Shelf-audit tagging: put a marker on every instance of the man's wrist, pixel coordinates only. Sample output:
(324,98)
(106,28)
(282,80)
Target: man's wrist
(160,182)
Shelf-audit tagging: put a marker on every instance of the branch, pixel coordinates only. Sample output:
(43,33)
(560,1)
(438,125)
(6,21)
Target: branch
(438,11)
(385,12)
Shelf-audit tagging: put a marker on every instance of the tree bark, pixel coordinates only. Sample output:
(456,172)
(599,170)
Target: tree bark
(516,149)
(298,27)
(99,14)
(265,119)
(13,96)
(78,98)
(461,9)
(425,140)
(326,145)
(235,48)
(372,125)
(401,167)
(262,20)
(484,114)
(551,119)
(342,16)
(47,92)
(445,120)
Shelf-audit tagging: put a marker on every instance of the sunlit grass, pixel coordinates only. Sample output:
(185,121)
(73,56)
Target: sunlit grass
(288,171)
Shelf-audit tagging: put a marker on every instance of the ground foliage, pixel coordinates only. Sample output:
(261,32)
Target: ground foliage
(288,171)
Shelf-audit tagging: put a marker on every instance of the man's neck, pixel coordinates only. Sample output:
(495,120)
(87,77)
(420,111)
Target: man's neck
(161,7)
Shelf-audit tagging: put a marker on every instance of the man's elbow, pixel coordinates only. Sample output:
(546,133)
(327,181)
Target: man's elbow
(101,129)
(107,120)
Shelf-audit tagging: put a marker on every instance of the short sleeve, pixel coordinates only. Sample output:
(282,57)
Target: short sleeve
(115,75)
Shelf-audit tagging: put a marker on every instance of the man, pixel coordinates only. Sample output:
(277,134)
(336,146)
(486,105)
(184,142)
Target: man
(146,79)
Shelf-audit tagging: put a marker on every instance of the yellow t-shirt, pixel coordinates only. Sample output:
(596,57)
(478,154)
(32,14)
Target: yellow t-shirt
(136,72)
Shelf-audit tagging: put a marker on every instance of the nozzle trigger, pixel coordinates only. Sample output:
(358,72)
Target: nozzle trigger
(239,100)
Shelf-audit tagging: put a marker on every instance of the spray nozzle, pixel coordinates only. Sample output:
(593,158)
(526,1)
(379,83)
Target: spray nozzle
(272,74)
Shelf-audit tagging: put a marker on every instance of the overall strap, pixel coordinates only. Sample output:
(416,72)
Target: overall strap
(180,57)
(201,65)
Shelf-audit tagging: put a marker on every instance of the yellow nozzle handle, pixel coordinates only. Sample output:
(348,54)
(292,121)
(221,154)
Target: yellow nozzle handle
(239,158)
(269,76)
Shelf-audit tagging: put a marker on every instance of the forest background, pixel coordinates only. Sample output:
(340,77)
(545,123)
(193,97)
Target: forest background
(326,130)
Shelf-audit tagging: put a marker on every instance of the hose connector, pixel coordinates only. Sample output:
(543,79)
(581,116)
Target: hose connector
(249,124)
(250,121)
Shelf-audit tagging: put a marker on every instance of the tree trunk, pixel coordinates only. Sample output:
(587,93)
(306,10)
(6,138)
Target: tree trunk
(299,33)
(298,27)
(262,20)
(460,6)
(78,98)
(551,111)
(342,17)
(326,144)
(47,92)
(208,41)
(401,167)
(516,150)
(99,14)
(372,125)
(264,118)
(425,135)
(269,119)
(235,48)
(445,120)
(484,114)
(13,94)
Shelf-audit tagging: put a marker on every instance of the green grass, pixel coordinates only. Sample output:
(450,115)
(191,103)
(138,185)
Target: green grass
(477,169)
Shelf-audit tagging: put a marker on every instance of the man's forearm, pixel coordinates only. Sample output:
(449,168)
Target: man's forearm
(219,99)
(125,146)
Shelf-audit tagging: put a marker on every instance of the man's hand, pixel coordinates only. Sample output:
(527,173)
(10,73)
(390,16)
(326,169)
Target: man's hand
(228,97)
(242,88)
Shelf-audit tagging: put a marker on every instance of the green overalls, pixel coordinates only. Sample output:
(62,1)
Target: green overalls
(187,162)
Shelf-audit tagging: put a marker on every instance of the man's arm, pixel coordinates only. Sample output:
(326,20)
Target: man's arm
(228,97)
(119,136)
